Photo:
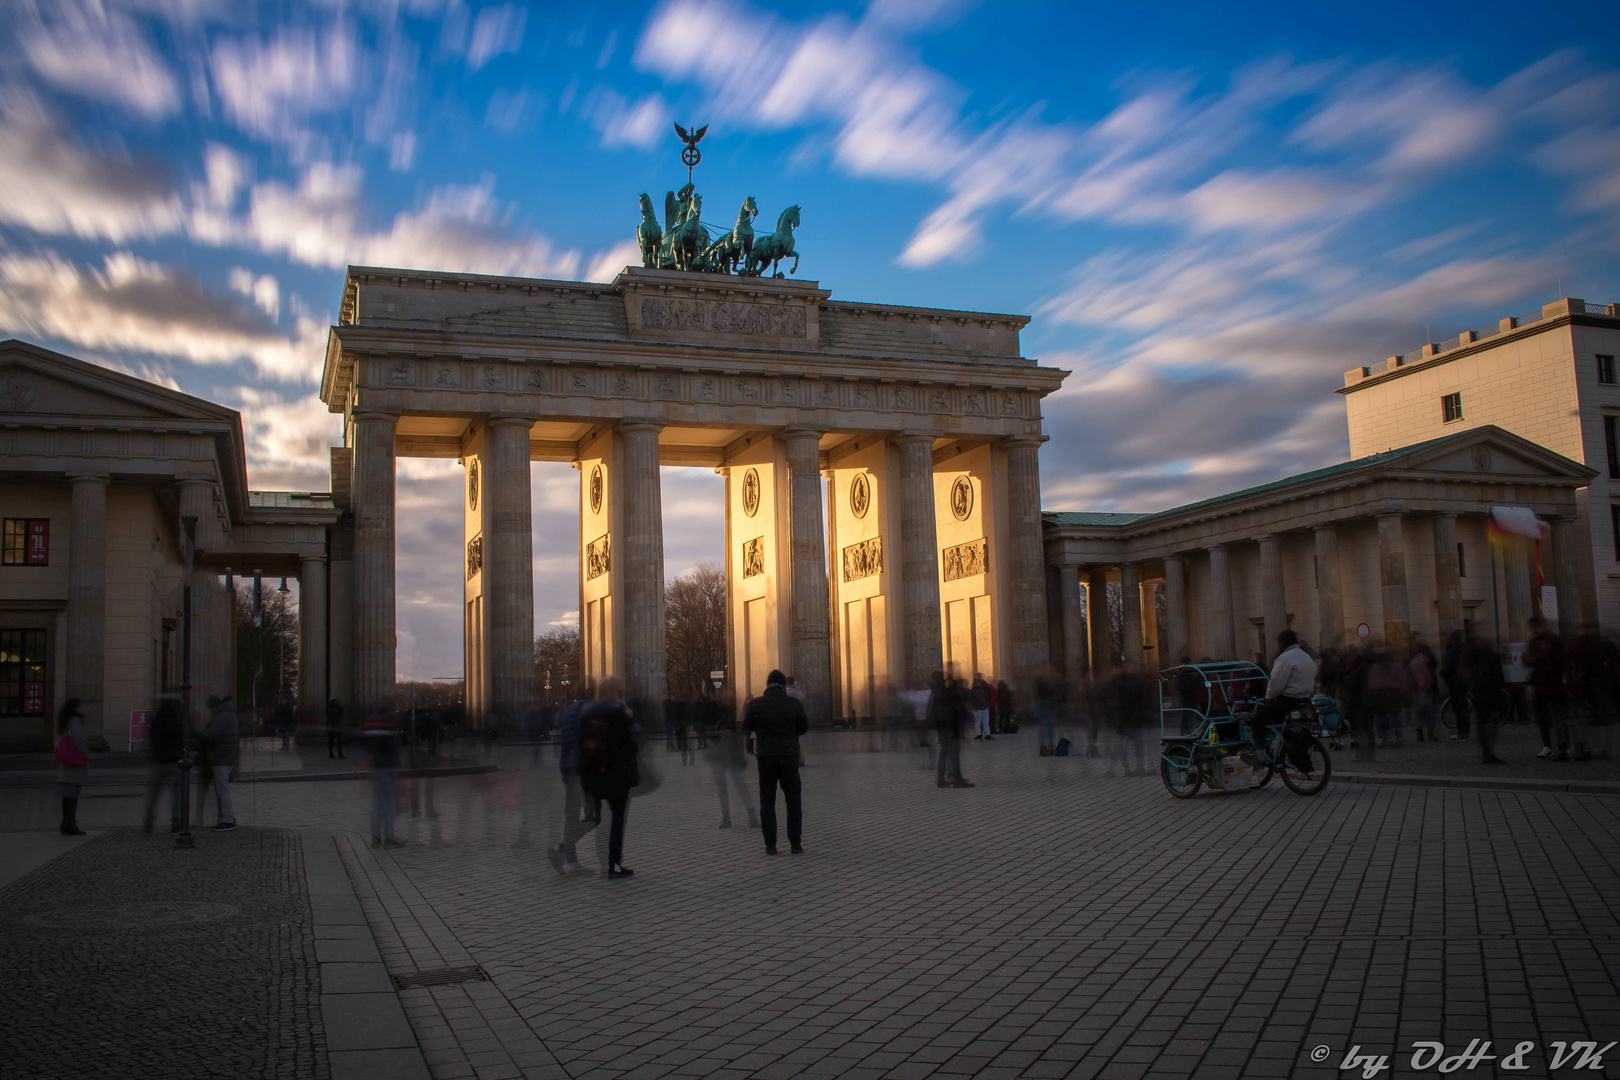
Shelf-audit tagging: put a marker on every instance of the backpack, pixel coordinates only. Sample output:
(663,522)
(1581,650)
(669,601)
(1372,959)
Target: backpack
(596,743)
(1062,748)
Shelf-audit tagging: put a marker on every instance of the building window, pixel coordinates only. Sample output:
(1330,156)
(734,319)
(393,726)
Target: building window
(27,542)
(1614,520)
(1611,442)
(1451,407)
(1462,560)
(22,672)
(1605,366)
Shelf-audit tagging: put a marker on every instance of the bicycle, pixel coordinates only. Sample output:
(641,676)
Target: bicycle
(1188,761)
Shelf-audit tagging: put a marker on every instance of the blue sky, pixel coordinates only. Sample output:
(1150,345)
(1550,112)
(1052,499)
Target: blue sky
(1210,212)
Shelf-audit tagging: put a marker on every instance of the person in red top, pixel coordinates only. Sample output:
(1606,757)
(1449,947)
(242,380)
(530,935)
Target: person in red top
(1544,656)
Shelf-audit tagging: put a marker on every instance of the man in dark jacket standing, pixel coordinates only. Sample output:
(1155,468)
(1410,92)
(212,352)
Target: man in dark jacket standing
(776,721)
(167,745)
(608,765)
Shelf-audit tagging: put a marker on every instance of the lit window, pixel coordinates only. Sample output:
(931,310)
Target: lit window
(1451,407)
(27,542)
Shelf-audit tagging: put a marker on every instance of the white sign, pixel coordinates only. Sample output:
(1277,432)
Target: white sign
(1549,603)
(1363,631)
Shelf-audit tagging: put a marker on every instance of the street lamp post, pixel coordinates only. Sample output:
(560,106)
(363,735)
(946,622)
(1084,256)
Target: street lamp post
(184,839)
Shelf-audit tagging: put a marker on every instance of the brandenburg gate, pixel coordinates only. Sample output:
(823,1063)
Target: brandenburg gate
(924,423)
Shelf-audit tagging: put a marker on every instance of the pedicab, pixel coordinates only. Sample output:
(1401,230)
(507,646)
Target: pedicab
(1204,740)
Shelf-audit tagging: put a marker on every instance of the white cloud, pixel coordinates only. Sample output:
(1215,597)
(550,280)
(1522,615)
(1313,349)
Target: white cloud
(139,307)
(52,184)
(403,152)
(497,30)
(1420,120)
(288,440)
(458,228)
(271,87)
(641,124)
(607,265)
(264,290)
(89,50)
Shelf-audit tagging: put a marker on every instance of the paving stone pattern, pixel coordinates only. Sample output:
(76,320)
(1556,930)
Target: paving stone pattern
(1048,923)
(126,958)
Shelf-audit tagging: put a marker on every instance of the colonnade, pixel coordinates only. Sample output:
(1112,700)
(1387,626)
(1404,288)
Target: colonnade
(1396,605)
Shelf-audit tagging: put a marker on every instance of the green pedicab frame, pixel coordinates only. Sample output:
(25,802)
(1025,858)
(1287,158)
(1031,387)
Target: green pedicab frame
(1203,737)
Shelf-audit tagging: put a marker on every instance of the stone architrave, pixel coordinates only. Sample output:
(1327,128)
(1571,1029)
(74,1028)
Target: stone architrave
(1222,638)
(643,564)
(1130,593)
(1173,634)
(919,561)
(1102,645)
(312,635)
(87,598)
(1447,576)
(1274,596)
(810,622)
(1026,562)
(1392,580)
(1074,626)
(1329,588)
(509,567)
(373,439)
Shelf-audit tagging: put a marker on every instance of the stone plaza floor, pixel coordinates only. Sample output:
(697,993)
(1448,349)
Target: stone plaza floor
(1050,922)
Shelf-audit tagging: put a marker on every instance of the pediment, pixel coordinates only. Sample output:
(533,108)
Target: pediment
(38,382)
(1490,452)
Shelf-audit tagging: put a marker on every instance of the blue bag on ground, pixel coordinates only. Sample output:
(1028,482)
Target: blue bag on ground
(1062,748)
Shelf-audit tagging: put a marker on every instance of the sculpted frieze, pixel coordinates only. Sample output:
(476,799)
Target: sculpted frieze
(864,559)
(708,316)
(965,560)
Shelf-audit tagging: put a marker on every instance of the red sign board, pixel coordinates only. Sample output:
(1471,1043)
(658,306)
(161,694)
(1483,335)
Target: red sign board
(33,698)
(39,542)
(140,725)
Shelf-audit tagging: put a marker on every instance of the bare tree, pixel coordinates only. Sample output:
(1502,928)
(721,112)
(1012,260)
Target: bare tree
(694,628)
(266,649)
(557,665)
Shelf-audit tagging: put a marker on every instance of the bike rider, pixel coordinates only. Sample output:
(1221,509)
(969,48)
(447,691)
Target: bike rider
(1293,677)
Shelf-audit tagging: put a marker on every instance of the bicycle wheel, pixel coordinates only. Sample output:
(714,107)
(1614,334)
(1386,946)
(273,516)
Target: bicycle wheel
(1447,716)
(1307,781)
(1179,772)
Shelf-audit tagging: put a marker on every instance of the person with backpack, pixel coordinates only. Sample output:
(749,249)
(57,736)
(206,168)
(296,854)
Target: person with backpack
(608,765)
(166,744)
(776,719)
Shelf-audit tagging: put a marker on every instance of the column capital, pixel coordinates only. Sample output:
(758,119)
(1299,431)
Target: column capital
(89,478)
(508,419)
(1388,515)
(802,433)
(1033,442)
(309,560)
(374,416)
(642,425)
(1215,547)
(908,438)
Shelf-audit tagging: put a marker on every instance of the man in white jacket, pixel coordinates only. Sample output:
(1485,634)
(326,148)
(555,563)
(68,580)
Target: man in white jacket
(1293,678)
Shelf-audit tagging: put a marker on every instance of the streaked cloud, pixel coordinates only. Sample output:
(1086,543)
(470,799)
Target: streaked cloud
(95,51)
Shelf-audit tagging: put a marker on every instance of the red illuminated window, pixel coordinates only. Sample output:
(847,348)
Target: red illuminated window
(27,542)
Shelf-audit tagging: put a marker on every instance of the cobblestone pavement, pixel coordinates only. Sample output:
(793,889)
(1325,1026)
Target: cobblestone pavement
(1051,922)
(125,958)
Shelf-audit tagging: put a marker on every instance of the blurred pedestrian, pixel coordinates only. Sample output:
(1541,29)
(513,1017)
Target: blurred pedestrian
(166,744)
(1421,680)
(776,720)
(1004,706)
(947,711)
(334,729)
(979,702)
(1129,708)
(222,738)
(728,760)
(1544,656)
(1586,687)
(1386,695)
(1482,667)
(608,765)
(1045,715)
(565,855)
(381,737)
(284,721)
(1454,675)
(72,762)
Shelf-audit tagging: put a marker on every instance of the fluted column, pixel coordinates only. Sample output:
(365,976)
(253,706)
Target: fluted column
(810,622)
(373,564)
(1221,640)
(1392,580)
(1074,627)
(312,633)
(1516,586)
(919,561)
(1447,575)
(1173,635)
(1329,588)
(1571,612)
(87,599)
(642,550)
(213,610)
(1102,645)
(509,567)
(1130,593)
(1273,594)
(1026,562)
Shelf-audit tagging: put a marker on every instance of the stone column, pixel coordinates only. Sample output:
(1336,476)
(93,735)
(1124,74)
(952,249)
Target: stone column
(1222,641)
(213,609)
(810,622)
(1026,564)
(1074,627)
(1273,593)
(919,562)
(312,634)
(340,615)
(1173,635)
(1392,580)
(1130,592)
(509,568)
(373,565)
(1102,644)
(1329,589)
(1571,612)
(1516,586)
(87,600)
(1447,576)
(642,552)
